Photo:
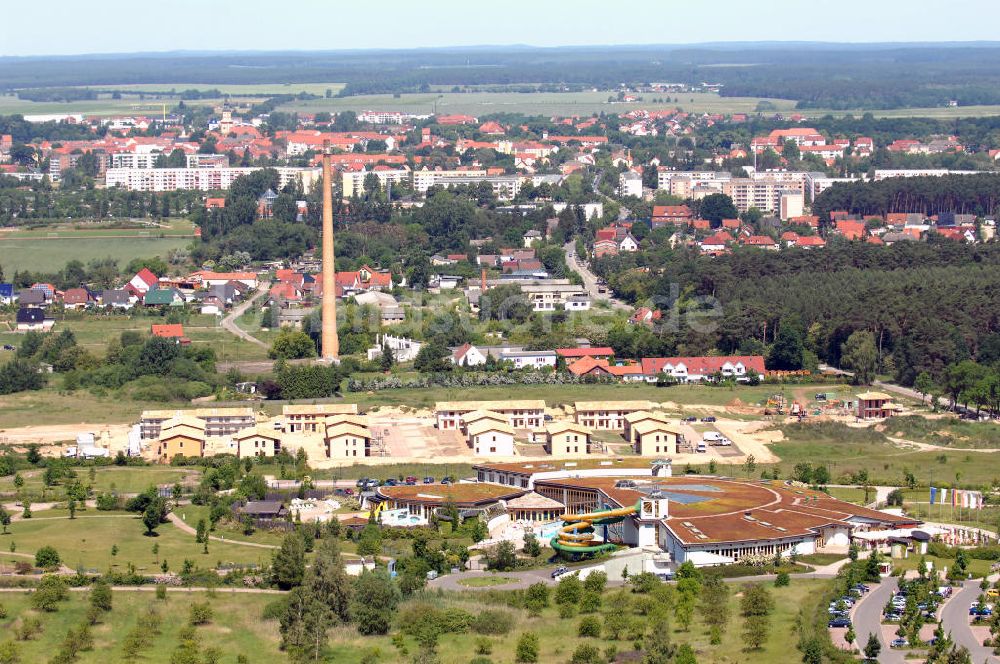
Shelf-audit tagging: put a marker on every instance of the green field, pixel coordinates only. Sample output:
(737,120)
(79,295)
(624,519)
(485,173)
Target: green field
(535,103)
(46,254)
(236,627)
(87,540)
(10,104)
(110,478)
(93,333)
(255,89)
(945,432)
(847,450)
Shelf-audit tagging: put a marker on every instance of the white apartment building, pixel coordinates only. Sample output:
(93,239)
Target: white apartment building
(664,177)
(761,193)
(202,179)
(883,174)
(630,184)
(817,183)
(354,181)
(424,180)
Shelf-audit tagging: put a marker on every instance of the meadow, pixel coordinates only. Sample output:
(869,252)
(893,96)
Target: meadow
(125,479)
(104,105)
(88,540)
(237,626)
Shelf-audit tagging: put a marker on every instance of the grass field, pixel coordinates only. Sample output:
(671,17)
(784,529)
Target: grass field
(110,478)
(237,627)
(43,254)
(93,332)
(53,407)
(945,432)
(535,103)
(255,89)
(846,450)
(10,104)
(87,540)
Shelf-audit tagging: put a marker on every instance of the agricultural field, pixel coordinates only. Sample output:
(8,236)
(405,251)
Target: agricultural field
(236,89)
(532,103)
(48,249)
(105,105)
(237,626)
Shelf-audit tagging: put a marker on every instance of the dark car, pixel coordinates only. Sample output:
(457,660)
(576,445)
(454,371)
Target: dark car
(391,482)
(839,622)
(899,643)
(692,418)
(559,571)
(362,483)
(428,480)
(710,418)
(447,479)
(8,347)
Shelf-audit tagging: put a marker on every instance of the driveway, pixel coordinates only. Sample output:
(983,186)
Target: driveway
(955,619)
(867,619)
(229,322)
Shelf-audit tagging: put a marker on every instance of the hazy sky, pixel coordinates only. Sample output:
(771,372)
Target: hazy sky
(71,26)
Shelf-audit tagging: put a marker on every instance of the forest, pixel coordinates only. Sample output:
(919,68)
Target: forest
(928,305)
(834,76)
(962,194)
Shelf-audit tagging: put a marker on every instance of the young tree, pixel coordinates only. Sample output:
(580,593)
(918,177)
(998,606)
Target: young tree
(328,581)
(288,565)
(100,596)
(715,604)
(304,625)
(4,519)
(860,354)
(47,557)
(527,648)
(873,648)
(756,606)
(374,602)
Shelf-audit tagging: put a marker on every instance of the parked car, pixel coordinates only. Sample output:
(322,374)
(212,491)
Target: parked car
(446,480)
(8,347)
(839,622)
(428,480)
(363,482)
(559,571)
(899,643)
(691,418)
(391,482)
(411,480)
(710,418)
(432,574)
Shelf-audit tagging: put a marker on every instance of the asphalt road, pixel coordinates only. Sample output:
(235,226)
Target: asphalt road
(589,278)
(229,322)
(867,618)
(955,619)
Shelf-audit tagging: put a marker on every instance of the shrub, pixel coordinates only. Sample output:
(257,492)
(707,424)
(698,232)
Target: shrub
(590,602)
(47,557)
(568,590)
(783,579)
(100,596)
(29,628)
(161,591)
(590,626)
(51,591)
(493,622)
(527,648)
(10,653)
(595,581)
(274,610)
(201,614)
(586,654)
(484,646)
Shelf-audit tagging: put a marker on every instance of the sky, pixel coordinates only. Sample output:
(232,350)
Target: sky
(64,27)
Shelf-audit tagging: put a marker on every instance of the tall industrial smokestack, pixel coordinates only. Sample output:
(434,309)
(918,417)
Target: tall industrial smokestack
(330,344)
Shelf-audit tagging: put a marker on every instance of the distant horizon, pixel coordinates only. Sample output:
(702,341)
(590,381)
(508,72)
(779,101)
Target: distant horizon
(730,45)
(64,28)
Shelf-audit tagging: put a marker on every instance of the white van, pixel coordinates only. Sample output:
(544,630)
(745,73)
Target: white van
(711,436)
(702,447)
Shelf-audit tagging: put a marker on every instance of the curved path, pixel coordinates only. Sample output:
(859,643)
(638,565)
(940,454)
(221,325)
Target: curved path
(867,619)
(229,322)
(955,619)
(179,523)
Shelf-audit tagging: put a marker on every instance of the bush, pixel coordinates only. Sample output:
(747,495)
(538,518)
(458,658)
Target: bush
(783,579)
(493,622)
(590,626)
(47,558)
(590,602)
(29,628)
(595,581)
(274,610)
(52,590)
(201,614)
(586,654)
(484,646)
(161,591)
(527,648)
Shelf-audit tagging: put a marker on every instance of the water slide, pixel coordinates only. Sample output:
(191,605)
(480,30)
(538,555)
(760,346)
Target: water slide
(577,532)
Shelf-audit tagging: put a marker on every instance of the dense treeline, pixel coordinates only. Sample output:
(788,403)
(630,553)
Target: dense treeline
(964,194)
(822,76)
(926,305)
(22,131)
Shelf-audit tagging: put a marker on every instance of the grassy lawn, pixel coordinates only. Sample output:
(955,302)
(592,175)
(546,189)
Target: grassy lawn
(979,568)
(485,581)
(236,627)
(87,540)
(535,103)
(396,471)
(124,480)
(820,558)
(850,495)
(51,255)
